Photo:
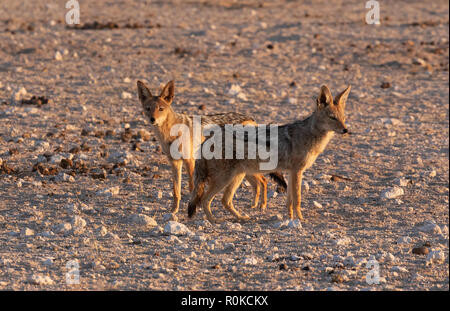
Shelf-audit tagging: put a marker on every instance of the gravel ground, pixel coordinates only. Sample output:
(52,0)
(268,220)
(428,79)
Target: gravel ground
(82,178)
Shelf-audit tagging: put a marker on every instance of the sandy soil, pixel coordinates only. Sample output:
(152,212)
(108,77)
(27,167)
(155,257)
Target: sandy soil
(397,110)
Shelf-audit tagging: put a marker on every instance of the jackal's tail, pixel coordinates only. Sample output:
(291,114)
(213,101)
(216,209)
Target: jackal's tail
(201,174)
(279,179)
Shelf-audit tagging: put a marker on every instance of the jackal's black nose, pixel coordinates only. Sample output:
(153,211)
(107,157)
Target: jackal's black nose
(152,120)
(344,131)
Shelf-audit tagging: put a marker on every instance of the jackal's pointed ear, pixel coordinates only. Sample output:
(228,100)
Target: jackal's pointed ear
(324,98)
(341,99)
(143,92)
(168,92)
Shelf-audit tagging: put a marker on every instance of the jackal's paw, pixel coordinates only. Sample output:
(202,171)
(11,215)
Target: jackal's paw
(254,206)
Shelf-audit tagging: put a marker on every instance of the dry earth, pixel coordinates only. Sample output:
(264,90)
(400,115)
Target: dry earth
(279,53)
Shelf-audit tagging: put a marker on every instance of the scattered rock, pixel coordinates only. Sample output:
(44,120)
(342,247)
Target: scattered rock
(402,182)
(385,85)
(435,257)
(399,269)
(283,266)
(392,193)
(78,224)
(126,95)
(63,177)
(421,250)
(38,279)
(58,56)
(143,220)
(430,226)
(112,191)
(26,232)
(343,241)
(338,278)
(176,228)
(169,217)
(18,95)
(250,261)
(291,223)
(317,204)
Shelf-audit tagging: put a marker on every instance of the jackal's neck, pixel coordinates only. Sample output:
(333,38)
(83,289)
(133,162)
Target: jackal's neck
(173,118)
(318,136)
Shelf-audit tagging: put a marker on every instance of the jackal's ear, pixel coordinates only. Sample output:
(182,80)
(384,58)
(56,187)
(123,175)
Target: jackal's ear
(168,92)
(341,99)
(143,91)
(324,98)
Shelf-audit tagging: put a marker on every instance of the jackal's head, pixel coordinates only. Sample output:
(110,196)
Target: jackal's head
(157,108)
(330,114)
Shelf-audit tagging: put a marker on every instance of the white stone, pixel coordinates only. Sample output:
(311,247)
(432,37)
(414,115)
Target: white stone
(38,279)
(305,186)
(250,261)
(436,256)
(126,95)
(58,56)
(295,223)
(401,181)
(143,220)
(343,241)
(26,232)
(392,193)
(78,224)
(109,191)
(317,204)
(173,227)
(63,177)
(102,231)
(234,90)
(18,95)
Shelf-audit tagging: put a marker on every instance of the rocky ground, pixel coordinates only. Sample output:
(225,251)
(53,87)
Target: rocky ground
(82,179)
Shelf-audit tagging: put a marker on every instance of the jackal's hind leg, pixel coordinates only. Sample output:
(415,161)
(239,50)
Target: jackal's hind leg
(227,199)
(254,182)
(216,184)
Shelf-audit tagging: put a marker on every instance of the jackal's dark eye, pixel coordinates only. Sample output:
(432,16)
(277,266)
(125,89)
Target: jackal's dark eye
(333,118)
(161,108)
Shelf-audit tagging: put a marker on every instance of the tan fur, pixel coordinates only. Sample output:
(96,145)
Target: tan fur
(162,117)
(299,144)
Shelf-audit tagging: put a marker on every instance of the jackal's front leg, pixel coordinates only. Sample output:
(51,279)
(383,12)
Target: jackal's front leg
(297,193)
(289,199)
(190,166)
(176,179)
